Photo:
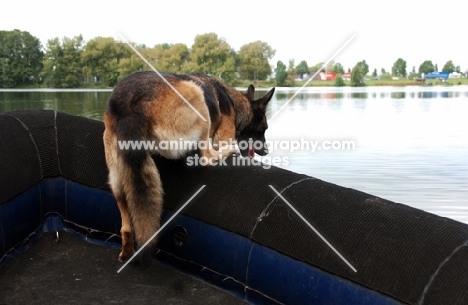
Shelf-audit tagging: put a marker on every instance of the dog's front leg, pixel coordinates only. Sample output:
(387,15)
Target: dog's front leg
(207,151)
(226,146)
(224,138)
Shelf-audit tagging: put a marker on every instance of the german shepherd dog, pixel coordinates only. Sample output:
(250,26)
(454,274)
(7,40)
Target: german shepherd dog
(143,107)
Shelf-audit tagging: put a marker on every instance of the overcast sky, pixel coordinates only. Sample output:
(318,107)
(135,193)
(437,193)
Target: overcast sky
(300,30)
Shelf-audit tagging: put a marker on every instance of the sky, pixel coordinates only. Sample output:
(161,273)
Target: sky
(379,32)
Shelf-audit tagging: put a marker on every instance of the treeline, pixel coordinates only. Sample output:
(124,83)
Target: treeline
(360,72)
(103,61)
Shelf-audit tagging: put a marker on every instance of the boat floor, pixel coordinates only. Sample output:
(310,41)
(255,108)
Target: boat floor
(77,272)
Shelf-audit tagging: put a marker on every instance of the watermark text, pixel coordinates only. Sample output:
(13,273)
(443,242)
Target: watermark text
(270,146)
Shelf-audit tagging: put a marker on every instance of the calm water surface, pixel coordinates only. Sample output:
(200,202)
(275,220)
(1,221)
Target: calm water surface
(411,143)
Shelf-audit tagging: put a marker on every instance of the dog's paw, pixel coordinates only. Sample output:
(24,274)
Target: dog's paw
(211,161)
(229,151)
(209,157)
(125,256)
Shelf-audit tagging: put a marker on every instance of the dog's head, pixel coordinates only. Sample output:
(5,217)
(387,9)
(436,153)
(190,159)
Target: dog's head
(252,137)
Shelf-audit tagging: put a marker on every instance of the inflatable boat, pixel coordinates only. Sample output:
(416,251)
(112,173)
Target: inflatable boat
(264,235)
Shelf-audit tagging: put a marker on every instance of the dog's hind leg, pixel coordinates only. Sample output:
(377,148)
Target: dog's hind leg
(125,231)
(115,181)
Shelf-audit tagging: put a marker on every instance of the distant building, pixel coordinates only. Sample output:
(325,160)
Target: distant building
(436,75)
(346,76)
(455,75)
(327,75)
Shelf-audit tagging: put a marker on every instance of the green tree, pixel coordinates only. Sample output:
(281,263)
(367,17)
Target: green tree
(426,67)
(399,68)
(365,67)
(212,55)
(52,72)
(413,74)
(358,73)
(449,67)
(254,60)
(20,59)
(339,82)
(62,63)
(384,75)
(101,58)
(330,65)
(177,56)
(374,73)
(338,68)
(168,57)
(317,67)
(291,78)
(133,63)
(302,68)
(281,74)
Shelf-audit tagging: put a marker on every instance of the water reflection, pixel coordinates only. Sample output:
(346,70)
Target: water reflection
(425,105)
(412,144)
(398,95)
(359,95)
(398,105)
(86,103)
(359,104)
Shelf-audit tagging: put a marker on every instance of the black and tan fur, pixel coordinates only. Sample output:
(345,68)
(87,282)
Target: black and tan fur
(143,107)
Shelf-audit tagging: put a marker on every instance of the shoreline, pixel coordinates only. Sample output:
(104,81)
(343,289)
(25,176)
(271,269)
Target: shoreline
(269,84)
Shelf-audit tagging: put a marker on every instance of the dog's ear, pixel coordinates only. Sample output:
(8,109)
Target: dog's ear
(262,102)
(250,93)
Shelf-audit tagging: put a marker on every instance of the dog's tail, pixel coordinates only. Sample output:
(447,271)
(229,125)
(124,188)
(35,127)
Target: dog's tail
(144,195)
(141,184)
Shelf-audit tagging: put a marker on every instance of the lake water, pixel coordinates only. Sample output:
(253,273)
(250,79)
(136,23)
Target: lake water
(410,143)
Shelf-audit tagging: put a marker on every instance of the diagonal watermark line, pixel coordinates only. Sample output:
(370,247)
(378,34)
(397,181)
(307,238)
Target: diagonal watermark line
(161,76)
(313,76)
(313,229)
(160,229)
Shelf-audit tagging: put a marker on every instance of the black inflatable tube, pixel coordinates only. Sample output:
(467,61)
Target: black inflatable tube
(245,237)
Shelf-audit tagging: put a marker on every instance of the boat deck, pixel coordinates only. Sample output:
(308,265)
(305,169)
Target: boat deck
(74,271)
